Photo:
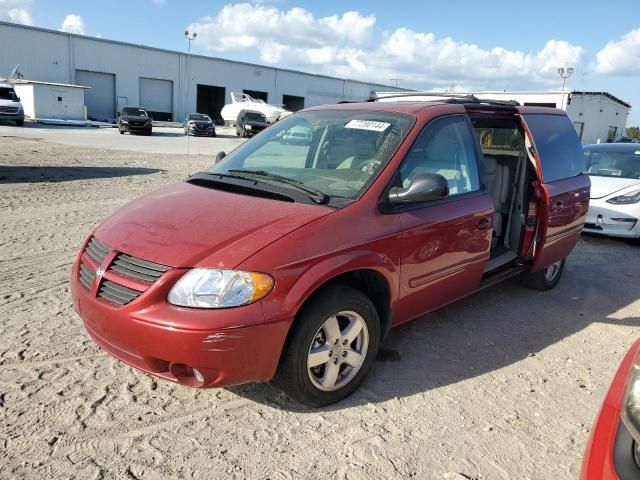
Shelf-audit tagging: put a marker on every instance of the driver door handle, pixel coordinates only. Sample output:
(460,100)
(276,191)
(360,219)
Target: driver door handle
(484,223)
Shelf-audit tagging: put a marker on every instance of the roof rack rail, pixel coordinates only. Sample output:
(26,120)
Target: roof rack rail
(450,98)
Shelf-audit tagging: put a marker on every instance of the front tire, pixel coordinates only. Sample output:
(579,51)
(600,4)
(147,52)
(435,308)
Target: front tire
(20,123)
(544,279)
(331,348)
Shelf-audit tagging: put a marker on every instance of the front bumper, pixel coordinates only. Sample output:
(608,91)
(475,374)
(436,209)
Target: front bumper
(226,346)
(196,132)
(127,127)
(12,117)
(614,220)
(608,454)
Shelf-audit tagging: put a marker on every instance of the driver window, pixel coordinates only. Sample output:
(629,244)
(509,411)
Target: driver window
(446,147)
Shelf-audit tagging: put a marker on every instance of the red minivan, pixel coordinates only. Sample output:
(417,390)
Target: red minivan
(292,260)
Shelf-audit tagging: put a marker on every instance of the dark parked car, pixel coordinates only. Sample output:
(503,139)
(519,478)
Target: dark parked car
(250,122)
(134,119)
(200,125)
(293,261)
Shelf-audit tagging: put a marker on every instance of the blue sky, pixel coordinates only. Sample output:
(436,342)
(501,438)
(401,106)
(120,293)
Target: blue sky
(431,45)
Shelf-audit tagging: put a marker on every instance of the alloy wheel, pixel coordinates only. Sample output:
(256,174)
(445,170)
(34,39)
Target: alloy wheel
(338,351)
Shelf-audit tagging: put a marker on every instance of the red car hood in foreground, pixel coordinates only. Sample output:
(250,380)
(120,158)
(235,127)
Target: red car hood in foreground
(184,225)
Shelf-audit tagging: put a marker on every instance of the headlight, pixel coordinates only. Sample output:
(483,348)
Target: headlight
(205,288)
(627,199)
(124,121)
(631,405)
(248,127)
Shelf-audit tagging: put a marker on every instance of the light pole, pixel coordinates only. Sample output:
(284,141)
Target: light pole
(189,36)
(564,74)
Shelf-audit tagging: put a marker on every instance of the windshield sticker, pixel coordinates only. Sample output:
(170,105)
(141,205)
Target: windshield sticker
(368,125)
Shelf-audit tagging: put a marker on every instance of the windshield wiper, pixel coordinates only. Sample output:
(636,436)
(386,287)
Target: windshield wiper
(316,195)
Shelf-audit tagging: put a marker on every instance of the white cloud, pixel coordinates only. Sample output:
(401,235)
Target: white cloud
(620,57)
(241,26)
(343,45)
(159,3)
(73,24)
(16,11)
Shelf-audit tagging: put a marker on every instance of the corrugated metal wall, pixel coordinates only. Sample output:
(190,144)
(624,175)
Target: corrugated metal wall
(53,56)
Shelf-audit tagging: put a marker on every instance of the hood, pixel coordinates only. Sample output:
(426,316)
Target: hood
(134,118)
(256,123)
(9,103)
(604,186)
(185,225)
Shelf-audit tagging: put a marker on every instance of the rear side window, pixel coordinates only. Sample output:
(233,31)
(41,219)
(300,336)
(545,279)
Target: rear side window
(558,146)
(445,147)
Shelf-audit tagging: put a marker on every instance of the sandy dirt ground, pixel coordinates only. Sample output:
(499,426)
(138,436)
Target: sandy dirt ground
(502,385)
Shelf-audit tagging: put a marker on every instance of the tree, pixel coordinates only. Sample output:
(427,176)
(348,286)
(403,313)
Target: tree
(633,132)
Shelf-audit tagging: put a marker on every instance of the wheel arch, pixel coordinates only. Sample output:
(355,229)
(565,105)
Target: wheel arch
(371,281)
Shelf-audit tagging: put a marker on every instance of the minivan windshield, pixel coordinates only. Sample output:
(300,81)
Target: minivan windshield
(8,94)
(344,152)
(200,117)
(134,112)
(613,164)
(255,117)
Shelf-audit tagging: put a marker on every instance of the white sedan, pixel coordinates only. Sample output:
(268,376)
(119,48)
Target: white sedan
(614,209)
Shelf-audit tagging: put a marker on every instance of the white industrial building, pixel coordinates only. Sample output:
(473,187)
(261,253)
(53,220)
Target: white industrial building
(169,84)
(596,116)
(51,100)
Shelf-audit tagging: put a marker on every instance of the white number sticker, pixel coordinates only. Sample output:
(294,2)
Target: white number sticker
(368,125)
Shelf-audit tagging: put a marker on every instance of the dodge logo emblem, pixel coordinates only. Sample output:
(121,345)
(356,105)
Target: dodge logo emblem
(99,273)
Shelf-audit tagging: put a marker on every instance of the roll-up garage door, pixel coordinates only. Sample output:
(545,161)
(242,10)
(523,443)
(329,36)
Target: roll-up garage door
(157,97)
(100,99)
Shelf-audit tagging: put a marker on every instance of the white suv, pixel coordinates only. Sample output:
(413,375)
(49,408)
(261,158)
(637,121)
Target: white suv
(10,106)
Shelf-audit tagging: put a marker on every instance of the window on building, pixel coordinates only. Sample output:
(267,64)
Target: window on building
(611,135)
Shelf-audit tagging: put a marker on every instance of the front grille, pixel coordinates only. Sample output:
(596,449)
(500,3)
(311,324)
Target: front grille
(136,124)
(97,251)
(137,268)
(112,290)
(86,276)
(12,110)
(117,293)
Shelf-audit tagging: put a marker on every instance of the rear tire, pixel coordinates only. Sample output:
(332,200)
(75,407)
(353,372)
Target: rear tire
(544,279)
(341,323)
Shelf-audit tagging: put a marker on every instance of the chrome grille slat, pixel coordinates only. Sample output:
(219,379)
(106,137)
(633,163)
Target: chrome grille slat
(86,276)
(97,251)
(143,263)
(117,293)
(138,268)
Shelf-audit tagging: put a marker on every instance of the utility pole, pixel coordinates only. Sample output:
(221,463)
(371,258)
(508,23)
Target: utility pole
(189,36)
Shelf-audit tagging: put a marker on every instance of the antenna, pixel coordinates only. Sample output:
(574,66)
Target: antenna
(188,148)
(15,73)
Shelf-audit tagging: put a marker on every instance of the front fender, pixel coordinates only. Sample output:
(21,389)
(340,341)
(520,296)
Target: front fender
(295,283)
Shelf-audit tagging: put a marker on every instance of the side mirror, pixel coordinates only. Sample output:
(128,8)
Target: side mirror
(17,99)
(426,187)
(220,156)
